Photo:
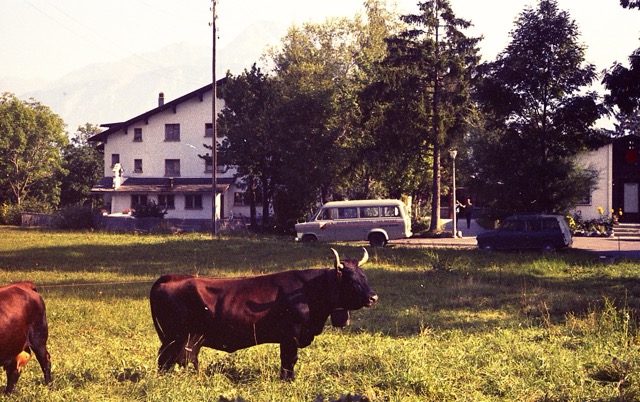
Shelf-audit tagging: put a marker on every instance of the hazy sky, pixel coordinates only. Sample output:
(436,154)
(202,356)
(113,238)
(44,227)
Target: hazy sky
(49,38)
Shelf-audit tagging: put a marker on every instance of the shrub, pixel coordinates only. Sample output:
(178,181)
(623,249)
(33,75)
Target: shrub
(77,217)
(150,210)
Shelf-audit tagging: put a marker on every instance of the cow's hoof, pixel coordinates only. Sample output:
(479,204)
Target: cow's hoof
(287,375)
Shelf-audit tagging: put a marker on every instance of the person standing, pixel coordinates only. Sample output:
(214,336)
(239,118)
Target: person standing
(468,212)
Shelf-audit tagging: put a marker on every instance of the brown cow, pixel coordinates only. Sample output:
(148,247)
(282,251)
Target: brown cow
(23,328)
(289,308)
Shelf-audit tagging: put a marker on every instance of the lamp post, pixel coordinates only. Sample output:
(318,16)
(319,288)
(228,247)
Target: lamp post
(453,153)
(214,143)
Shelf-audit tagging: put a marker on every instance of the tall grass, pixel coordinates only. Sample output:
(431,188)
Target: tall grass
(451,325)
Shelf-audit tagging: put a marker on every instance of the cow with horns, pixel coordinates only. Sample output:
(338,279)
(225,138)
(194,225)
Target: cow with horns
(23,328)
(289,308)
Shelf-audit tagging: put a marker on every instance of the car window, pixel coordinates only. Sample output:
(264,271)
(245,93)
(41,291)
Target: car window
(551,224)
(369,212)
(347,213)
(327,214)
(391,211)
(535,226)
(514,226)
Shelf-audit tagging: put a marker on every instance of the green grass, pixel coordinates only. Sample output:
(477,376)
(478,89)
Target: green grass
(451,325)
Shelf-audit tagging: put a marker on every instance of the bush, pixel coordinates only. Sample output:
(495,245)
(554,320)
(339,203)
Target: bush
(150,210)
(77,217)
(10,213)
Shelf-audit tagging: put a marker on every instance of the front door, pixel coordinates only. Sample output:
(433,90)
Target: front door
(630,204)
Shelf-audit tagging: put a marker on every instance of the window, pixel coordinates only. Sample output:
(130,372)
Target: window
(172,167)
(369,212)
(514,226)
(240,199)
(208,130)
(172,132)
(193,201)
(328,214)
(138,199)
(347,213)
(586,200)
(137,134)
(115,158)
(137,165)
(391,211)
(208,164)
(167,201)
(244,198)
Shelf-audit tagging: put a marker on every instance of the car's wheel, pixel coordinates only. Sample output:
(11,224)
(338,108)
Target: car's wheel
(548,248)
(309,238)
(486,246)
(377,240)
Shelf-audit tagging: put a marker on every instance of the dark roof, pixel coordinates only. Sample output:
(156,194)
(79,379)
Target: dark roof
(161,185)
(114,127)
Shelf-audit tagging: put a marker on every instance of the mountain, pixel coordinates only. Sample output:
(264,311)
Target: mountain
(116,91)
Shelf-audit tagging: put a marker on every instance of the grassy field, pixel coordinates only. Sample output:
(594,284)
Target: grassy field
(451,325)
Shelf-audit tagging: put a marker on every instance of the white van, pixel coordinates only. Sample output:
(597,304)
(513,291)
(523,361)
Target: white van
(376,221)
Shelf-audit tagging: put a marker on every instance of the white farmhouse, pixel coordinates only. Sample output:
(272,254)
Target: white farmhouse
(154,157)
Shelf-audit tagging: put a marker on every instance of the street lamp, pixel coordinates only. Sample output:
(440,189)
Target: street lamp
(453,153)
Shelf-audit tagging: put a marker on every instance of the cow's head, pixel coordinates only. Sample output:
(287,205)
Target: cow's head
(354,290)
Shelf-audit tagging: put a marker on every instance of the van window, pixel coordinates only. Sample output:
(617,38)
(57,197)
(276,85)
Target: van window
(327,214)
(391,211)
(347,213)
(369,212)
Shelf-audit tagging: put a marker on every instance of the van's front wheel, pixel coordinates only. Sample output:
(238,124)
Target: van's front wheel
(377,240)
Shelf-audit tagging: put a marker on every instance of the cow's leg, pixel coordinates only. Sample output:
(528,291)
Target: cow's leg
(189,354)
(38,344)
(168,354)
(288,359)
(12,376)
(45,361)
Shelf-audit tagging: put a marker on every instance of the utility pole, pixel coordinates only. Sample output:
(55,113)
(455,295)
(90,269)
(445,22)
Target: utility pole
(214,142)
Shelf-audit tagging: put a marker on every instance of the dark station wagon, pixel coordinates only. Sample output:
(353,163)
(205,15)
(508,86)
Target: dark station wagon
(530,231)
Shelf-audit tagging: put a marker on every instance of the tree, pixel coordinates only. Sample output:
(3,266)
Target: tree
(31,137)
(623,84)
(538,117)
(83,166)
(429,70)
(630,3)
(248,124)
(316,68)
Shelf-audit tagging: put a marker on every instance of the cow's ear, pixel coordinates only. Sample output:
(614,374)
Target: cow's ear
(338,265)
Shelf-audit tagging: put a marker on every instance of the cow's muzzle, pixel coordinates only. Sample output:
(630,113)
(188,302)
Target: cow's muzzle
(373,299)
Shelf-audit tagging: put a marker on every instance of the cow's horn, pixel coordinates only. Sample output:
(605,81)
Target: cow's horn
(338,264)
(365,258)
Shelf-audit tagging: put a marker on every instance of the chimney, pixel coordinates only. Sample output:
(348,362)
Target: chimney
(161,99)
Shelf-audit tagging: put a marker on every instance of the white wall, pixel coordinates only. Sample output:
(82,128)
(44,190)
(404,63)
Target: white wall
(601,160)
(192,116)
